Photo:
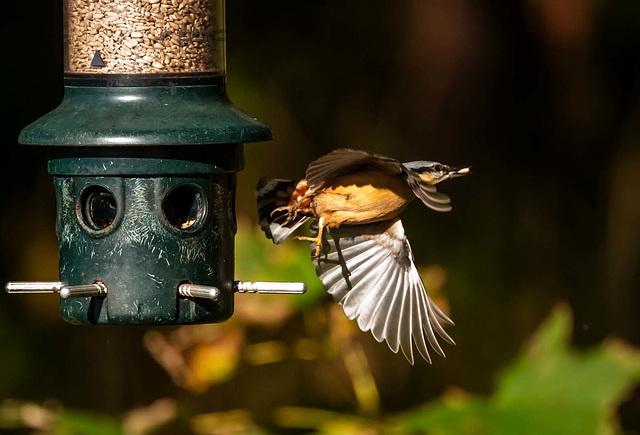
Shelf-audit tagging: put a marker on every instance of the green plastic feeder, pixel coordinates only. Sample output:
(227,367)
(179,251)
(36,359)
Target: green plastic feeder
(144,150)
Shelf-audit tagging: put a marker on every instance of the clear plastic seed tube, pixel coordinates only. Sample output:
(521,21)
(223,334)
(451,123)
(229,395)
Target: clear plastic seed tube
(156,37)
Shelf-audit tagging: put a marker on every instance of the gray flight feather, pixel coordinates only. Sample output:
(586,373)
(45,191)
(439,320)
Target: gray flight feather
(427,193)
(370,271)
(272,193)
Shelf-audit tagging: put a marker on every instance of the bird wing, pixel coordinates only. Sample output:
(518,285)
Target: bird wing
(370,271)
(427,193)
(345,161)
(272,193)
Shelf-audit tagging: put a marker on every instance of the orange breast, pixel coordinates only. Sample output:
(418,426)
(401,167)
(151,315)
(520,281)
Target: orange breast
(361,198)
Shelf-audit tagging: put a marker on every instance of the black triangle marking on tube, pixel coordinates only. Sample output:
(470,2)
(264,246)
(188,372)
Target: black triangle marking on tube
(97,60)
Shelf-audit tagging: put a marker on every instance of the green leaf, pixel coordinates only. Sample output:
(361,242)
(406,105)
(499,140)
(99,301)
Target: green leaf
(81,423)
(549,388)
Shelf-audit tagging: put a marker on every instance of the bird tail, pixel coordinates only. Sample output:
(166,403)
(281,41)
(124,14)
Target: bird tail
(272,193)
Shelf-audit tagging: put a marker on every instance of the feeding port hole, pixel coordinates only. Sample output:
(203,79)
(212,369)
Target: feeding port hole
(184,207)
(99,208)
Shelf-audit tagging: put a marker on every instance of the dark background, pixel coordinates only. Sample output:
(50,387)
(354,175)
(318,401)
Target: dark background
(539,96)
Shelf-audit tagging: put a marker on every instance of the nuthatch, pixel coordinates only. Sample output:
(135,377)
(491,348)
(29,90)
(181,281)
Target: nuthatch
(361,252)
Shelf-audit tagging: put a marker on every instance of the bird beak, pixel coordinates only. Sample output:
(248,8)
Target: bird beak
(459,172)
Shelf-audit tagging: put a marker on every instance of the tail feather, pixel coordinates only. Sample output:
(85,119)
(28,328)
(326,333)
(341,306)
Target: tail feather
(272,193)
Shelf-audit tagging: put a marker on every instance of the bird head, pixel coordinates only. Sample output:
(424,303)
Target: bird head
(434,172)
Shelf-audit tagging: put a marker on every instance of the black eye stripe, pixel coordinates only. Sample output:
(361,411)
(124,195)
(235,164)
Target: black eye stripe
(434,168)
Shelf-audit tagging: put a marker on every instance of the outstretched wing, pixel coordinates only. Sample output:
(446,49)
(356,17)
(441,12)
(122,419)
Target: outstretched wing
(427,193)
(346,161)
(370,271)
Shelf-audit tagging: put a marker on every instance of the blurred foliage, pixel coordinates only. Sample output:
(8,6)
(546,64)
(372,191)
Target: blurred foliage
(231,422)
(80,423)
(540,96)
(52,419)
(549,388)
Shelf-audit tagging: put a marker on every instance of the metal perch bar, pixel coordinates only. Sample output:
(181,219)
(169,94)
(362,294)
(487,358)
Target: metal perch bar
(33,287)
(270,288)
(189,290)
(83,291)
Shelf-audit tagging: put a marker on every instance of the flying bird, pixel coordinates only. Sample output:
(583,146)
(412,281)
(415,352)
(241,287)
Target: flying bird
(360,250)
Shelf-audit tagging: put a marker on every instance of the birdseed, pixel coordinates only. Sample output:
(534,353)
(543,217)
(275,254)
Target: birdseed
(144,36)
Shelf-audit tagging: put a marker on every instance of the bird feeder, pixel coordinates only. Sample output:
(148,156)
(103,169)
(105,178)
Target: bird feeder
(144,151)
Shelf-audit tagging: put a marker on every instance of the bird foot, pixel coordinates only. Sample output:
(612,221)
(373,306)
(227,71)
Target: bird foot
(279,209)
(316,240)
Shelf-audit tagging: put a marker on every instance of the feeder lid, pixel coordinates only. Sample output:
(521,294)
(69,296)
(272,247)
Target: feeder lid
(144,115)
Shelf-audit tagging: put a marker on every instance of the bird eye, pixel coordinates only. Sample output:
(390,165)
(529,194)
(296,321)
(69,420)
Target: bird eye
(438,168)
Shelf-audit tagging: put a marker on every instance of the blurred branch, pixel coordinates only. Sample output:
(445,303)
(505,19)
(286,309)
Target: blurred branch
(364,385)
(147,419)
(225,423)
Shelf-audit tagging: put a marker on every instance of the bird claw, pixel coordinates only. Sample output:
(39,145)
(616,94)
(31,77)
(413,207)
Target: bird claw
(316,254)
(279,209)
(315,240)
